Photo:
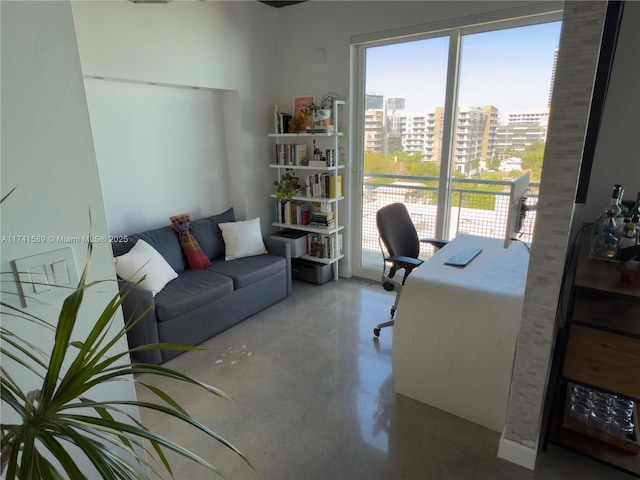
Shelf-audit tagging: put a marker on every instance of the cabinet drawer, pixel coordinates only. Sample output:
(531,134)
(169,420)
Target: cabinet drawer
(604,360)
(615,313)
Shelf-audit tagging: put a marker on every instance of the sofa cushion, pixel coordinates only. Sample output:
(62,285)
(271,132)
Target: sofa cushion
(191,290)
(248,270)
(208,233)
(242,239)
(144,261)
(164,240)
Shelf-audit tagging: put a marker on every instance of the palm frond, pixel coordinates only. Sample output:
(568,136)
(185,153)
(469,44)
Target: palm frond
(50,417)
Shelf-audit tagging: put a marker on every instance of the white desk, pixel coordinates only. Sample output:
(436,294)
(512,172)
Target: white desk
(455,333)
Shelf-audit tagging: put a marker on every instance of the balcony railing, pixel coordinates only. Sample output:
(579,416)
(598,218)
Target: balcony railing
(478,207)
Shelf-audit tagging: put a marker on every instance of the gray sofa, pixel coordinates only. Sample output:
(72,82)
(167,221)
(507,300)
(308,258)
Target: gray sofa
(202,303)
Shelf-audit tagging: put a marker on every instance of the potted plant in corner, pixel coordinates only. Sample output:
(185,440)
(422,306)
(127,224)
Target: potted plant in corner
(62,412)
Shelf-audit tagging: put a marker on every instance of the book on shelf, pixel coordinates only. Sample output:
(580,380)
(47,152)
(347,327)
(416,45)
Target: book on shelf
(301,214)
(317,185)
(330,155)
(322,216)
(291,154)
(321,246)
(300,153)
(322,219)
(326,129)
(281,121)
(293,212)
(322,226)
(332,187)
(316,245)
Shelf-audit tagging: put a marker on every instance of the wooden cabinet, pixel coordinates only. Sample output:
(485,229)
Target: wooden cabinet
(599,347)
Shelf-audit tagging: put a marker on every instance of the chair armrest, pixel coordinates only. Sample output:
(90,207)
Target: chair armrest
(436,242)
(136,302)
(405,262)
(282,249)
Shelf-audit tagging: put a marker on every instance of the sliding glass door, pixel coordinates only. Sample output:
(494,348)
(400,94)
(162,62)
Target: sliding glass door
(399,164)
(447,122)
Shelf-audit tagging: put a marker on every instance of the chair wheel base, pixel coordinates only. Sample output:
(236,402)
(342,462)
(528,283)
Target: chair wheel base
(388,285)
(376,332)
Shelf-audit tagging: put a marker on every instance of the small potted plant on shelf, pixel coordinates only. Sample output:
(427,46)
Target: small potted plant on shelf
(321,113)
(314,117)
(286,185)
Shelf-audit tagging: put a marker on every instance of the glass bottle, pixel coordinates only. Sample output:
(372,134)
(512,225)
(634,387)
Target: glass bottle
(635,210)
(613,209)
(631,227)
(605,245)
(610,212)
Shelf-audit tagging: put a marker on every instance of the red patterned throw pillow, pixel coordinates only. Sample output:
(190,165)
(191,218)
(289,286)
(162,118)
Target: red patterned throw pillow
(195,256)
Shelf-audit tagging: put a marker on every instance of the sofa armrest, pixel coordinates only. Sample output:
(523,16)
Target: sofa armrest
(282,249)
(136,302)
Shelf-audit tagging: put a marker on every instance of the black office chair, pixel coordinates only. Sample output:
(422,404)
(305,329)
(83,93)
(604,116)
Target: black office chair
(400,248)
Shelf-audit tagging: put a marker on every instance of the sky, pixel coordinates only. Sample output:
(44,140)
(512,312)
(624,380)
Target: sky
(510,69)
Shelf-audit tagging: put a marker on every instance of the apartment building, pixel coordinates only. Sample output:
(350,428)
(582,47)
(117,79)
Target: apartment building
(522,130)
(421,133)
(478,133)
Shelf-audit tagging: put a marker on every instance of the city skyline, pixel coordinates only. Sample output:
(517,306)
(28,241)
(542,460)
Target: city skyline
(510,69)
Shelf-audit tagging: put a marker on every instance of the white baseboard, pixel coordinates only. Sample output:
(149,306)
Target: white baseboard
(517,453)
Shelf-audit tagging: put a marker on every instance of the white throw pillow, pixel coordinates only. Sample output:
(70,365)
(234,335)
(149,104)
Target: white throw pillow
(141,260)
(242,239)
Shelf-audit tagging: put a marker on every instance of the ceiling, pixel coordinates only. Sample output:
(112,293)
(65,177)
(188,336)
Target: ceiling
(280,4)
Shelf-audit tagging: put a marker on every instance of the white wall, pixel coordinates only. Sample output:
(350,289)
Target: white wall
(47,151)
(226,46)
(617,158)
(161,151)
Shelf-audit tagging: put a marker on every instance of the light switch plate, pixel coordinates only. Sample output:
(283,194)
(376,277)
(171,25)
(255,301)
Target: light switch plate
(61,273)
(47,276)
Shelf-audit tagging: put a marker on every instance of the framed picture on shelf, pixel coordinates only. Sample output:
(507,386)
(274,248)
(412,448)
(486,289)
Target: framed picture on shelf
(301,120)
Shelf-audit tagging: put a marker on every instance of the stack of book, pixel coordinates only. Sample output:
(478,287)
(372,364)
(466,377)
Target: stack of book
(293,212)
(324,246)
(316,245)
(288,154)
(322,220)
(281,122)
(317,185)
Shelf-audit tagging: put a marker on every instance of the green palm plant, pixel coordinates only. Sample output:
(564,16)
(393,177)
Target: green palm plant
(61,411)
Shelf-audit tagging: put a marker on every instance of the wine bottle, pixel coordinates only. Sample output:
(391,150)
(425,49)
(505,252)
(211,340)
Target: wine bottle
(613,209)
(610,212)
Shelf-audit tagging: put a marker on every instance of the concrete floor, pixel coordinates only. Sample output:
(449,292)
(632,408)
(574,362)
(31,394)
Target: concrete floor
(315,400)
